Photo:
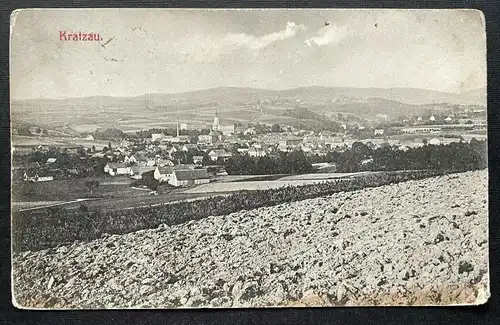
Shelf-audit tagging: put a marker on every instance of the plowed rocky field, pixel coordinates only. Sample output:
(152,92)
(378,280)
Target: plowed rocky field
(418,242)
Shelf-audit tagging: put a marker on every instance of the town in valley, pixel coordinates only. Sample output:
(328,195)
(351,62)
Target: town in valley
(173,159)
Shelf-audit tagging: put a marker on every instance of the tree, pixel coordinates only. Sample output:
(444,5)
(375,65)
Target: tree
(83,208)
(193,139)
(275,128)
(207,161)
(149,180)
(93,148)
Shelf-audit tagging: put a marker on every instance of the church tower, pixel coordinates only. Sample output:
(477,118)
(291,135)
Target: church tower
(216,125)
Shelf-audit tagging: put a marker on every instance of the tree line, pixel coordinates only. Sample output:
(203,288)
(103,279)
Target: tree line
(282,163)
(460,156)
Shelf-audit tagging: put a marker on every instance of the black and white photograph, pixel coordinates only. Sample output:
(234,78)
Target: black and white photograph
(236,158)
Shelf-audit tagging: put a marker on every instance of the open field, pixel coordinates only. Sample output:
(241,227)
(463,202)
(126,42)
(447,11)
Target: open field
(253,185)
(18,140)
(413,243)
(113,193)
(72,189)
(33,204)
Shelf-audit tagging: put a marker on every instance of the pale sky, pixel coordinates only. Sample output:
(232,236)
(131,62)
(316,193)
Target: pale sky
(169,51)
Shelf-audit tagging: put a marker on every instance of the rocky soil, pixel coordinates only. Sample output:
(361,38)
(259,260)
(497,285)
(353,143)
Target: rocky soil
(419,243)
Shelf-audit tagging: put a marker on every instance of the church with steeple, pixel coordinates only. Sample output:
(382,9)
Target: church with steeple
(215,132)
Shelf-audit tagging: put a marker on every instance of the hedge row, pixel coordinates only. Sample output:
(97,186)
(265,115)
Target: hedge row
(57,226)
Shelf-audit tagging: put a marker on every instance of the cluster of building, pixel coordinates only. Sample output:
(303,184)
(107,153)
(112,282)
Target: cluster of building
(160,154)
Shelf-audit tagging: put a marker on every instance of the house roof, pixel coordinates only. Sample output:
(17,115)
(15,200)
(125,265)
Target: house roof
(165,170)
(141,170)
(220,153)
(198,157)
(51,160)
(191,174)
(164,161)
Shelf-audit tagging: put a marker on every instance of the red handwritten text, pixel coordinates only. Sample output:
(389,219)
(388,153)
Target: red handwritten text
(73,36)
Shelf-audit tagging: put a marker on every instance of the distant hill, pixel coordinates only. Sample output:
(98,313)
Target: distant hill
(234,104)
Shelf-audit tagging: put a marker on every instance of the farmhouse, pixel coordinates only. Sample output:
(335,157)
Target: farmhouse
(163,162)
(378,132)
(242,150)
(163,173)
(117,169)
(38,176)
(306,148)
(219,153)
(292,141)
(51,161)
(130,159)
(188,177)
(325,167)
(137,171)
(198,160)
(255,151)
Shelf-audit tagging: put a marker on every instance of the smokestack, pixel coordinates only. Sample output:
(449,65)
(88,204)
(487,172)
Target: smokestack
(177,126)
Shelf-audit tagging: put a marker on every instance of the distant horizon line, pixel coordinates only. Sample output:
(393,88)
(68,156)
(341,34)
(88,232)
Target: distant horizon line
(243,87)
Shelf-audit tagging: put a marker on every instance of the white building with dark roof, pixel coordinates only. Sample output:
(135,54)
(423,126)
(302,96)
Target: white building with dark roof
(186,177)
(118,169)
(219,153)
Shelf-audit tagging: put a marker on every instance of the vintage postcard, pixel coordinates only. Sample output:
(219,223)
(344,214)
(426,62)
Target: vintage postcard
(193,158)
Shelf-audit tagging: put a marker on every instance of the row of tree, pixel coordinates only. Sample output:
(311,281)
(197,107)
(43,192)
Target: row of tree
(459,156)
(282,163)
